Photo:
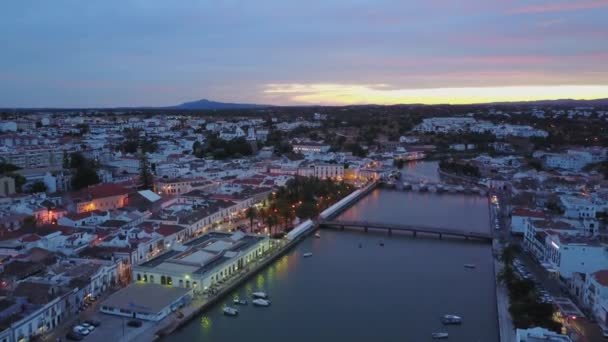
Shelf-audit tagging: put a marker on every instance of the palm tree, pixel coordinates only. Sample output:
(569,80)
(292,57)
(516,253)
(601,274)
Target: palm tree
(508,255)
(251,214)
(270,221)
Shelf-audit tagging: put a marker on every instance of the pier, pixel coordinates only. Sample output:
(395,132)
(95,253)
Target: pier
(414,229)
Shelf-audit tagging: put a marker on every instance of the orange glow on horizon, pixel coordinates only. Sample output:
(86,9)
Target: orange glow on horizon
(342,94)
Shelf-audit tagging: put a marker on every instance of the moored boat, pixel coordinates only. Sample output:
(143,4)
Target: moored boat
(261,302)
(307,255)
(317,235)
(262,295)
(469,265)
(440,335)
(230,311)
(451,319)
(238,301)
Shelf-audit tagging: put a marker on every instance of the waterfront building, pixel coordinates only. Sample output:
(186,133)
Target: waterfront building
(150,302)
(204,261)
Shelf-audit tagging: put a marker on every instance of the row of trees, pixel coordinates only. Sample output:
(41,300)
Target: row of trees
(525,307)
(303,197)
(459,168)
(134,142)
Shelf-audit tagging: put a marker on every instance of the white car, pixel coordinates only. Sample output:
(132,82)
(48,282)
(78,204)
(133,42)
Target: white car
(88,326)
(79,329)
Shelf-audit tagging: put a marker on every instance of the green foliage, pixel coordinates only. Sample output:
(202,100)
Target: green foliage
(465,169)
(356,149)
(399,163)
(223,149)
(535,164)
(19,180)
(37,187)
(84,171)
(305,197)
(145,175)
(7,167)
(251,214)
(279,141)
(525,307)
(134,142)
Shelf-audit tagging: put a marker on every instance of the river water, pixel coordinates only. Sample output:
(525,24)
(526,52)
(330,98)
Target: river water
(395,292)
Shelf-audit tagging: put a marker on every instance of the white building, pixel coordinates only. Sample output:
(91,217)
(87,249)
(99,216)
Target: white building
(595,295)
(539,334)
(204,261)
(520,217)
(567,255)
(578,207)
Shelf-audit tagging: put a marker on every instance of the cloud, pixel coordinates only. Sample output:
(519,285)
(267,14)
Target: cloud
(560,7)
(342,94)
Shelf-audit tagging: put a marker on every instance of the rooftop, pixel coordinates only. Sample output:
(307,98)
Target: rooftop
(145,298)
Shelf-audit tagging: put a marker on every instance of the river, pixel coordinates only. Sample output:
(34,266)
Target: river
(395,292)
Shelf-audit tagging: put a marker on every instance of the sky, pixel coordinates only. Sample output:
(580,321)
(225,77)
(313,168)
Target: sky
(75,53)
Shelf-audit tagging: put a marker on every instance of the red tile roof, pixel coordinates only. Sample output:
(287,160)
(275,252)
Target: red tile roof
(601,277)
(528,213)
(30,238)
(100,191)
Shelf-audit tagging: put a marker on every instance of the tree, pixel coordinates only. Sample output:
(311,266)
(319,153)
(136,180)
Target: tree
(251,214)
(38,186)
(399,163)
(271,220)
(144,172)
(19,180)
(29,222)
(66,160)
(83,177)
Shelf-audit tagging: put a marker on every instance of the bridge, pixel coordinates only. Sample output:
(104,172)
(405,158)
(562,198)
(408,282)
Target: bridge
(414,229)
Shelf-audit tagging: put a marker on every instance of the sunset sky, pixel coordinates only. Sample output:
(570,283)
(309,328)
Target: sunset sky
(75,53)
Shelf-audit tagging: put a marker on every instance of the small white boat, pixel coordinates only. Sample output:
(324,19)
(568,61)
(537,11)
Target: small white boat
(317,235)
(261,302)
(451,319)
(307,255)
(230,311)
(261,295)
(469,265)
(238,301)
(439,335)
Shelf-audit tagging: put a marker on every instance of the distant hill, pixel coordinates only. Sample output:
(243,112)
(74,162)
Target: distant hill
(206,104)
(560,102)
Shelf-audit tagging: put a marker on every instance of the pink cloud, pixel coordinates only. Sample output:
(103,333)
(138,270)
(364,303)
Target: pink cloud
(560,7)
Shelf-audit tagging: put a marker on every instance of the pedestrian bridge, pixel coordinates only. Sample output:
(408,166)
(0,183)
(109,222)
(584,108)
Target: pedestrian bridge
(414,229)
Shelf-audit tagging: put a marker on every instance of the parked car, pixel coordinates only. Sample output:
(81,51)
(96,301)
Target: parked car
(72,336)
(93,322)
(134,323)
(88,326)
(79,329)
(605,332)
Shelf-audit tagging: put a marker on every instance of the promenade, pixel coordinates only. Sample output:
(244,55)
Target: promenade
(505,323)
(202,302)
